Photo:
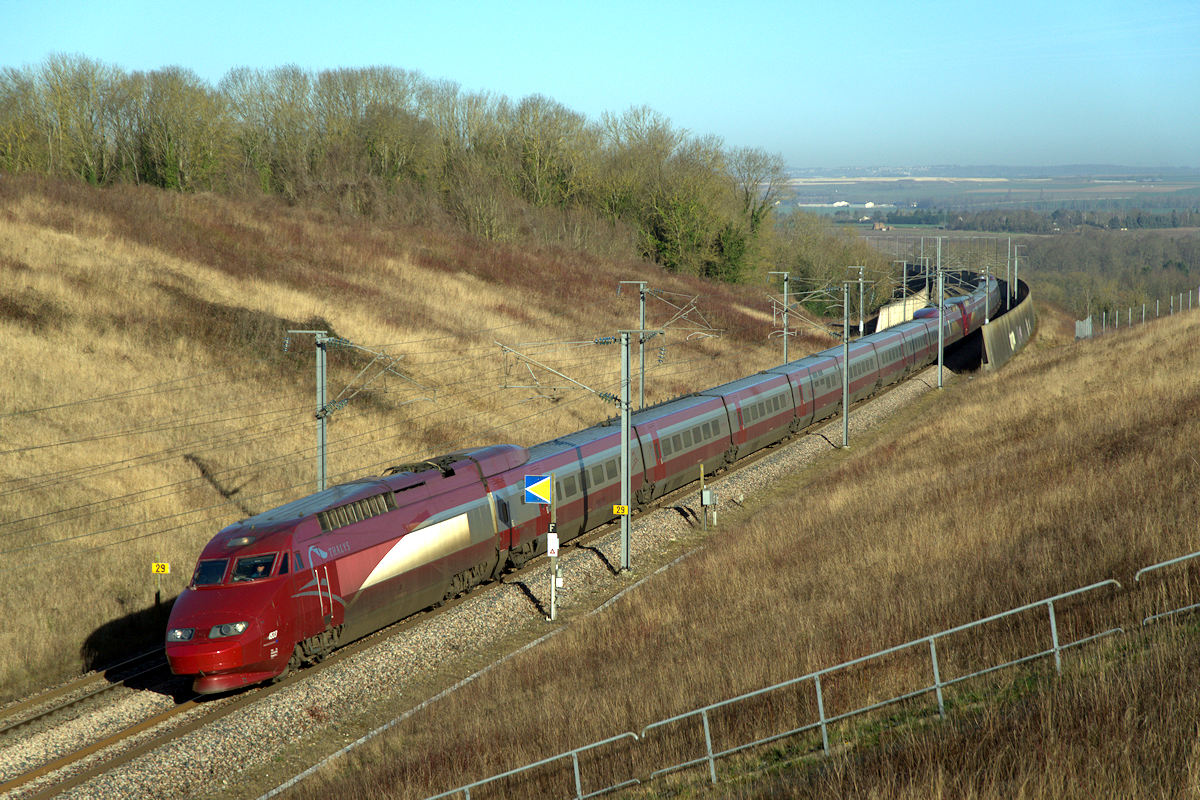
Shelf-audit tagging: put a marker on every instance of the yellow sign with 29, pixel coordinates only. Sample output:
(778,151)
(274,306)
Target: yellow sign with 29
(621,511)
(160,568)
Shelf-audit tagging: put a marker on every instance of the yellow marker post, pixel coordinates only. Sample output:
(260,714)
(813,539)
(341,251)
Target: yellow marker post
(621,511)
(158,569)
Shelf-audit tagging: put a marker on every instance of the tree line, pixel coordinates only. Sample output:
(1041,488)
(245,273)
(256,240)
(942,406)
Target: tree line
(377,139)
(1091,271)
(1060,219)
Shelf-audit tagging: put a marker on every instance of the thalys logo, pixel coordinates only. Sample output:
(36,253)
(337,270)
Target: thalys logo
(317,555)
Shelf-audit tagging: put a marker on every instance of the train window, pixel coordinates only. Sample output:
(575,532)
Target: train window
(210,572)
(253,568)
(706,429)
(666,447)
(687,438)
(611,469)
(502,512)
(696,434)
(569,486)
(283,564)
(597,475)
(677,442)
(558,491)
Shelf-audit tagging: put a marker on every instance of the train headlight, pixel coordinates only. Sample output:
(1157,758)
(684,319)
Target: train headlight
(228,629)
(180,634)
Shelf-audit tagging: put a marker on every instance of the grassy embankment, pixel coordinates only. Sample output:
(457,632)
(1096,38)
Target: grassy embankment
(143,352)
(1073,465)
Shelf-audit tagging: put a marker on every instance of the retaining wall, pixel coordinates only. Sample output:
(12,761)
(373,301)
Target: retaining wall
(1005,336)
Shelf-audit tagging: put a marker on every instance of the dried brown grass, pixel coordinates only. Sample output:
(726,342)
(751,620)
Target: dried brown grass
(107,292)
(1071,466)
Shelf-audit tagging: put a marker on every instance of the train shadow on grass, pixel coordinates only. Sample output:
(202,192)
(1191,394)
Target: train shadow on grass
(108,649)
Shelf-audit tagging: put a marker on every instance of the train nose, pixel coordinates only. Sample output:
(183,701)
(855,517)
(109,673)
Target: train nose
(212,644)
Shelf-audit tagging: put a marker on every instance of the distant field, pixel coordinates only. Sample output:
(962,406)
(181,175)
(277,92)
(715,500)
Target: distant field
(954,192)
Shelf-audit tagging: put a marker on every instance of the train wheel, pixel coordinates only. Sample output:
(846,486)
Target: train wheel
(519,555)
(458,585)
(293,664)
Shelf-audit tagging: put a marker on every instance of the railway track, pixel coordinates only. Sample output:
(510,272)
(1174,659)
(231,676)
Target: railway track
(76,765)
(61,700)
(80,764)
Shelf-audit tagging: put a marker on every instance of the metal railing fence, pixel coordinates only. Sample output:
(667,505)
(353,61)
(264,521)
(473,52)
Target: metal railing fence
(824,720)
(1170,562)
(573,755)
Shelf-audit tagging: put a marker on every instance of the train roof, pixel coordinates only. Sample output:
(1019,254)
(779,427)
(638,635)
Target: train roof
(741,384)
(311,504)
(576,439)
(612,426)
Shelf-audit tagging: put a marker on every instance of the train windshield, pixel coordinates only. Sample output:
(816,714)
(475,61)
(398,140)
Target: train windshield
(253,568)
(210,572)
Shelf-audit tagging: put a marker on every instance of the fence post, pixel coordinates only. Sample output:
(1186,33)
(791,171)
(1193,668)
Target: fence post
(712,762)
(578,782)
(1054,637)
(937,676)
(821,713)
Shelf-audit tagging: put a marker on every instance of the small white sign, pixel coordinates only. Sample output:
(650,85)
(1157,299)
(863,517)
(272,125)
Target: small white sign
(552,545)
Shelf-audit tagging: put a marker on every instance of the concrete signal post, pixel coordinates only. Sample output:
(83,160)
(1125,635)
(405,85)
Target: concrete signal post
(846,365)
(786,305)
(941,312)
(626,428)
(324,408)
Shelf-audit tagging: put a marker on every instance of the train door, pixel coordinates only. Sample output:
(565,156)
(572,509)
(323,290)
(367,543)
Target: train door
(320,602)
(504,522)
(659,471)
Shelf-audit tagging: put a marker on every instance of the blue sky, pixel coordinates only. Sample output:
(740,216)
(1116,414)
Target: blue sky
(824,84)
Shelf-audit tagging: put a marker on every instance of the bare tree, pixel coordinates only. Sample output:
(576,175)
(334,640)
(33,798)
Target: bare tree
(758,177)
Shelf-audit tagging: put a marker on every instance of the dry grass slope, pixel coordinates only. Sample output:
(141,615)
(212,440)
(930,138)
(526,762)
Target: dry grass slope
(147,401)
(1073,465)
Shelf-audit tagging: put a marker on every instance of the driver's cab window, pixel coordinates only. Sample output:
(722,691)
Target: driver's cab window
(253,568)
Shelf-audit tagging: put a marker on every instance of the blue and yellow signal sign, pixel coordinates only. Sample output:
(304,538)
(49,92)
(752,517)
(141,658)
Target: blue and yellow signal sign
(537,489)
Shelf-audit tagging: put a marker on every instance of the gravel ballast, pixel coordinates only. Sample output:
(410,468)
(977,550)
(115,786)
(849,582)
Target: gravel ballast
(257,748)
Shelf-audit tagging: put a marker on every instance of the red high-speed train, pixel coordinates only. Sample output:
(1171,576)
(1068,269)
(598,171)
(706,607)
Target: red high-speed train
(287,586)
